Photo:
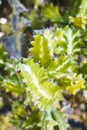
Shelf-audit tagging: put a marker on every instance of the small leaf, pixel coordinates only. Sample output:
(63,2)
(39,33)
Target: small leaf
(41,50)
(79,21)
(51,12)
(13,86)
(58,117)
(77,84)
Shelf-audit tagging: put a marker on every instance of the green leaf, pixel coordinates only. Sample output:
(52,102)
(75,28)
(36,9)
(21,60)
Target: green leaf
(44,46)
(36,23)
(61,66)
(13,86)
(3,54)
(32,121)
(58,117)
(41,50)
(72,43)
(41,89)
(77,83)
(79,21)
(51,12)
(83,8)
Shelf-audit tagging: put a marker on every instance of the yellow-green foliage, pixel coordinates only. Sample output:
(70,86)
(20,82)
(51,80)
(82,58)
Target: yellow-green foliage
(55,65)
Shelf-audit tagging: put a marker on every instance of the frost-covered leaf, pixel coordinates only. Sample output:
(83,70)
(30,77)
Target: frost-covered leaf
(72,43)
(60,67)
(44,46)
(41,89)
(41,50)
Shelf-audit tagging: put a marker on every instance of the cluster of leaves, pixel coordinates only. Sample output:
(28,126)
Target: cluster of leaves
(56,63)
